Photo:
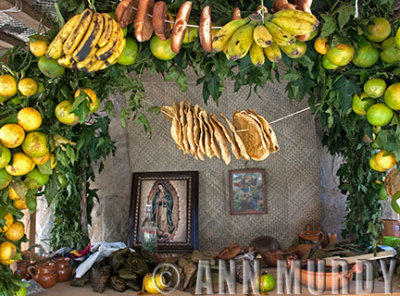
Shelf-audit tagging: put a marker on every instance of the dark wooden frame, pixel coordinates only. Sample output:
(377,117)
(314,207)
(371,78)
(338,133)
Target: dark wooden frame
(192,178)
(244,171)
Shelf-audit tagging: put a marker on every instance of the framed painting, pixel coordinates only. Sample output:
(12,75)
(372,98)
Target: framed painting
(247,192)
(174,200)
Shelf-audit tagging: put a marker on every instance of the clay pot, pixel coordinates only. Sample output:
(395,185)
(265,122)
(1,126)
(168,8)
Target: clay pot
(301,249)
(22,266)
(311,235)
(391,228)
(63,268)
(44,274)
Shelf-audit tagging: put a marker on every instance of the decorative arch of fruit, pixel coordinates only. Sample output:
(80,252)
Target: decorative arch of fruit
(52,137)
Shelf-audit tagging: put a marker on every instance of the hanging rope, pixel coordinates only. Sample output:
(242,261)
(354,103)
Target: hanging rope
(356,12)
(17,7)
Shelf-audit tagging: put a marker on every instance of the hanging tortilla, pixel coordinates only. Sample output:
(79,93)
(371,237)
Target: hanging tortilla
(168,112)
(189,131)
(222,140)
(234,146)
(202,138)
(252,137)
(196,132)
(207,136)
(214,145)
(265,140)
(182,118)
(268,132)
(242,147)
(176,128)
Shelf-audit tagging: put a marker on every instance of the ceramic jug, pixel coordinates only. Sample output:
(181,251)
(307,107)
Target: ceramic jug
(22,266)
(63,268)
(44,274)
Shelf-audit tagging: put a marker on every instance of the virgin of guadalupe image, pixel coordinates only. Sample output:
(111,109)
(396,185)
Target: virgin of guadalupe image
(162,205)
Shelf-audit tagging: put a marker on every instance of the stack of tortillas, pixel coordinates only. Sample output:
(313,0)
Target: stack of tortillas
(200,134)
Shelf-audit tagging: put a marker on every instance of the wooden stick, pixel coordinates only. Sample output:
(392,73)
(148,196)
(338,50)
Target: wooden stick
(165,113)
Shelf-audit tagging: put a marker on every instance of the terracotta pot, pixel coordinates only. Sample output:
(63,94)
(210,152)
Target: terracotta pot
(63,268)
(44,274)
(311,235)
(22,266)
(391,228)
(301,249)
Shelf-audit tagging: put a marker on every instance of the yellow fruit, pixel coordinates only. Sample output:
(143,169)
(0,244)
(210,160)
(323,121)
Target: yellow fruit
(5,179)
(320,45)
(41,160)
(161,49)
(20,204)
(38,48)
(63,114)
(12,194)
(15,232)
(52,161)
(94,103)
(35,144)
(366,56)
(379,114)
(27,87)
(375,87)
(22,164)
(392,96)
(11,135)
(374,165)
(29,119)
(341,54)
(9,222)
(7,262)
(379,30)
(385,160)
(7,252)
(8,86)
(327,64)
(153,286)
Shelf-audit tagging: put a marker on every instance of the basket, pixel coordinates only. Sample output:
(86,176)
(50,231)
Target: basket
(99,278)
(118,284)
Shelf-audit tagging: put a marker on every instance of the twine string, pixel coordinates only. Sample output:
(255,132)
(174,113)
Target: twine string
(356,12)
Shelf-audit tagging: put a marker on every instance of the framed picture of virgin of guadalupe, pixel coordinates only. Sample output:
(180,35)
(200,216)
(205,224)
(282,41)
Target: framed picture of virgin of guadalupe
(171,199)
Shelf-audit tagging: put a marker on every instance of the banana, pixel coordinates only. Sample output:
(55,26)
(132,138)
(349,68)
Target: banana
(88,61)
(273,53)
(120,48)
(97,65)
(262,36)
(90,39)
(280,36)
(240,42)
(107,30)
(106,51)
(294,26)
(77,34)
(297,14)
(257,55)
(66,61)
(222,37)
(55,48)
(295,50)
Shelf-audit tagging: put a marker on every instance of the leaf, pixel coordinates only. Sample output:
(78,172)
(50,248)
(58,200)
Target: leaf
(45,168)
(329,25)
(345,11)
(346,88)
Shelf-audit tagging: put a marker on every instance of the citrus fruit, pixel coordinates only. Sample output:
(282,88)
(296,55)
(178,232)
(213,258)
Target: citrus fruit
(5,179)
(341,54)
(38,48)
(15,232)
(320,45)
(31,203)
(27,87)
(361,104)
(397,38)
(267,283)
(327,64)
(21,292)
(38,177)
(396,202)
(52,161)
(382,193)
(191,33)
(385,160)
(12,194)
(374,166)
(130,52)
(366,56)
(94,103)
(5,156)
(50,67)
(161,49)
(392,96)
(11,135)
(22,164)
(7,251)
(20,204)
(63,114)
(41,160)
(62,181)
(35,144)
(8,86)
(379,30)
(153,285)
(9,222)
(390,53)
(379,114)
(375,87)
(29,119)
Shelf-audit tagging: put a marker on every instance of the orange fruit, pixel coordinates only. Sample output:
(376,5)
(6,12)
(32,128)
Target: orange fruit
(15,232)
(11,135)
(320,45)
(161,49)
(341,54)
(7,252)
(379,114)
(41,160)
(392,96)
(5,156)
(375,87)
(8,86)
(130,53)
(35,144)
(327,64)
(366,56)
(27,87)
(22,164)
(361,104)
(379,29)
(20,204)
(94,103)
(5,179)
(12,194)
(374,165)
(385,160)
(38,48)
(29,119)
(9,222)
(63,114)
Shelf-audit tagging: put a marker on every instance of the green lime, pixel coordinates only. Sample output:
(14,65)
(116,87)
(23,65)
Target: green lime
(366,56)
(375,87)
(5,156)
(5,179)
(379,114)
(50,67)
(130,53)
(327,64)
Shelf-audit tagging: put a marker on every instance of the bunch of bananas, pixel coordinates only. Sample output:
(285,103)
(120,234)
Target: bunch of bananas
(240,37)
(89,42)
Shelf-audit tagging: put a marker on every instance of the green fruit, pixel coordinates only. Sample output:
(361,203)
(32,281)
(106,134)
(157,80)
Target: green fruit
(379,30)
(50,67)
(191,33)
(5,156)
(327,64)
(161,49)
(21,292)
(392,96)
(361,104)
(267,283)
(379,114)
(341,54)
(375,87)
(396,202)
(35,175)
(382,193)
(130,52)
(35,144)
(390,53)
(366,56)
(62,181)
(5,179)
